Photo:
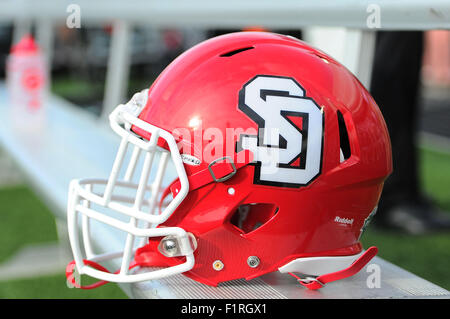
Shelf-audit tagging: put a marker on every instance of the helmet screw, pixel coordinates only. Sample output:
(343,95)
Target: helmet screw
(218,265)
(253,261)
(170,246)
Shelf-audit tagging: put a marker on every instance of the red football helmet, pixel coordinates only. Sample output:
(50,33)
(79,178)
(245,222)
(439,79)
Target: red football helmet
(277,159)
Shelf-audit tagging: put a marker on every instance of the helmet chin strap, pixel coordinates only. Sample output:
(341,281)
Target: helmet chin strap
(146,256)
(309,282)
(218,170)
(72,280)
(318,282)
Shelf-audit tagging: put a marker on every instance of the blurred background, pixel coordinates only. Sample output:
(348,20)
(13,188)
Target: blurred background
(78,69)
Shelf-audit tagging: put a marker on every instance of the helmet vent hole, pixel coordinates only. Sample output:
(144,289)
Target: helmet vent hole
(231,53)
(249,217)
(345,151)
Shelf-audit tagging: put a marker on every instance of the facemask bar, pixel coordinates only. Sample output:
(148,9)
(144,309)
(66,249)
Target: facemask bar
(81,196)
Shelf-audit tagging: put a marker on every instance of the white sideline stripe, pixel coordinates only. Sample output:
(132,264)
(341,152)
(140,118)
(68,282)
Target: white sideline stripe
(36,260)
(435,142)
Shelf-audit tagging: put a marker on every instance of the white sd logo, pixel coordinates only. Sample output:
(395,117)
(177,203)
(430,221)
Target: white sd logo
(288,148)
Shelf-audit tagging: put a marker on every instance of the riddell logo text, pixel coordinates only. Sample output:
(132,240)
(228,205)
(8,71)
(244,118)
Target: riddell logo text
(343,220)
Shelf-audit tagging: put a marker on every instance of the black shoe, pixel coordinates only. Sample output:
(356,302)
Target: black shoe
(417,217)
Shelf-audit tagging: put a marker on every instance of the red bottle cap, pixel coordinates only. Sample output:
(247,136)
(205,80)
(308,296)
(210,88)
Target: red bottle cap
(26,45)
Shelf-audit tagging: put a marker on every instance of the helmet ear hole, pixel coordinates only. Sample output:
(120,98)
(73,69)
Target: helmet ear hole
(249,217)
(345,151)
(233,52)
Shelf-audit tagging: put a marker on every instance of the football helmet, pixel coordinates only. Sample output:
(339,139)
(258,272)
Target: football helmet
(252,152)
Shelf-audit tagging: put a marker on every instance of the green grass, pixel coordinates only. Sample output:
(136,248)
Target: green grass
(435,171)
(73,88)
(427,256)
(24,219)
(54,287)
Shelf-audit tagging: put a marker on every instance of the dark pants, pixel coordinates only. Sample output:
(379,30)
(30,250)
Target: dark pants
(395,87)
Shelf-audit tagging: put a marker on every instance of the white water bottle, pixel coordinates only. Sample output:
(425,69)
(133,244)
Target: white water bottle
(26,79)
